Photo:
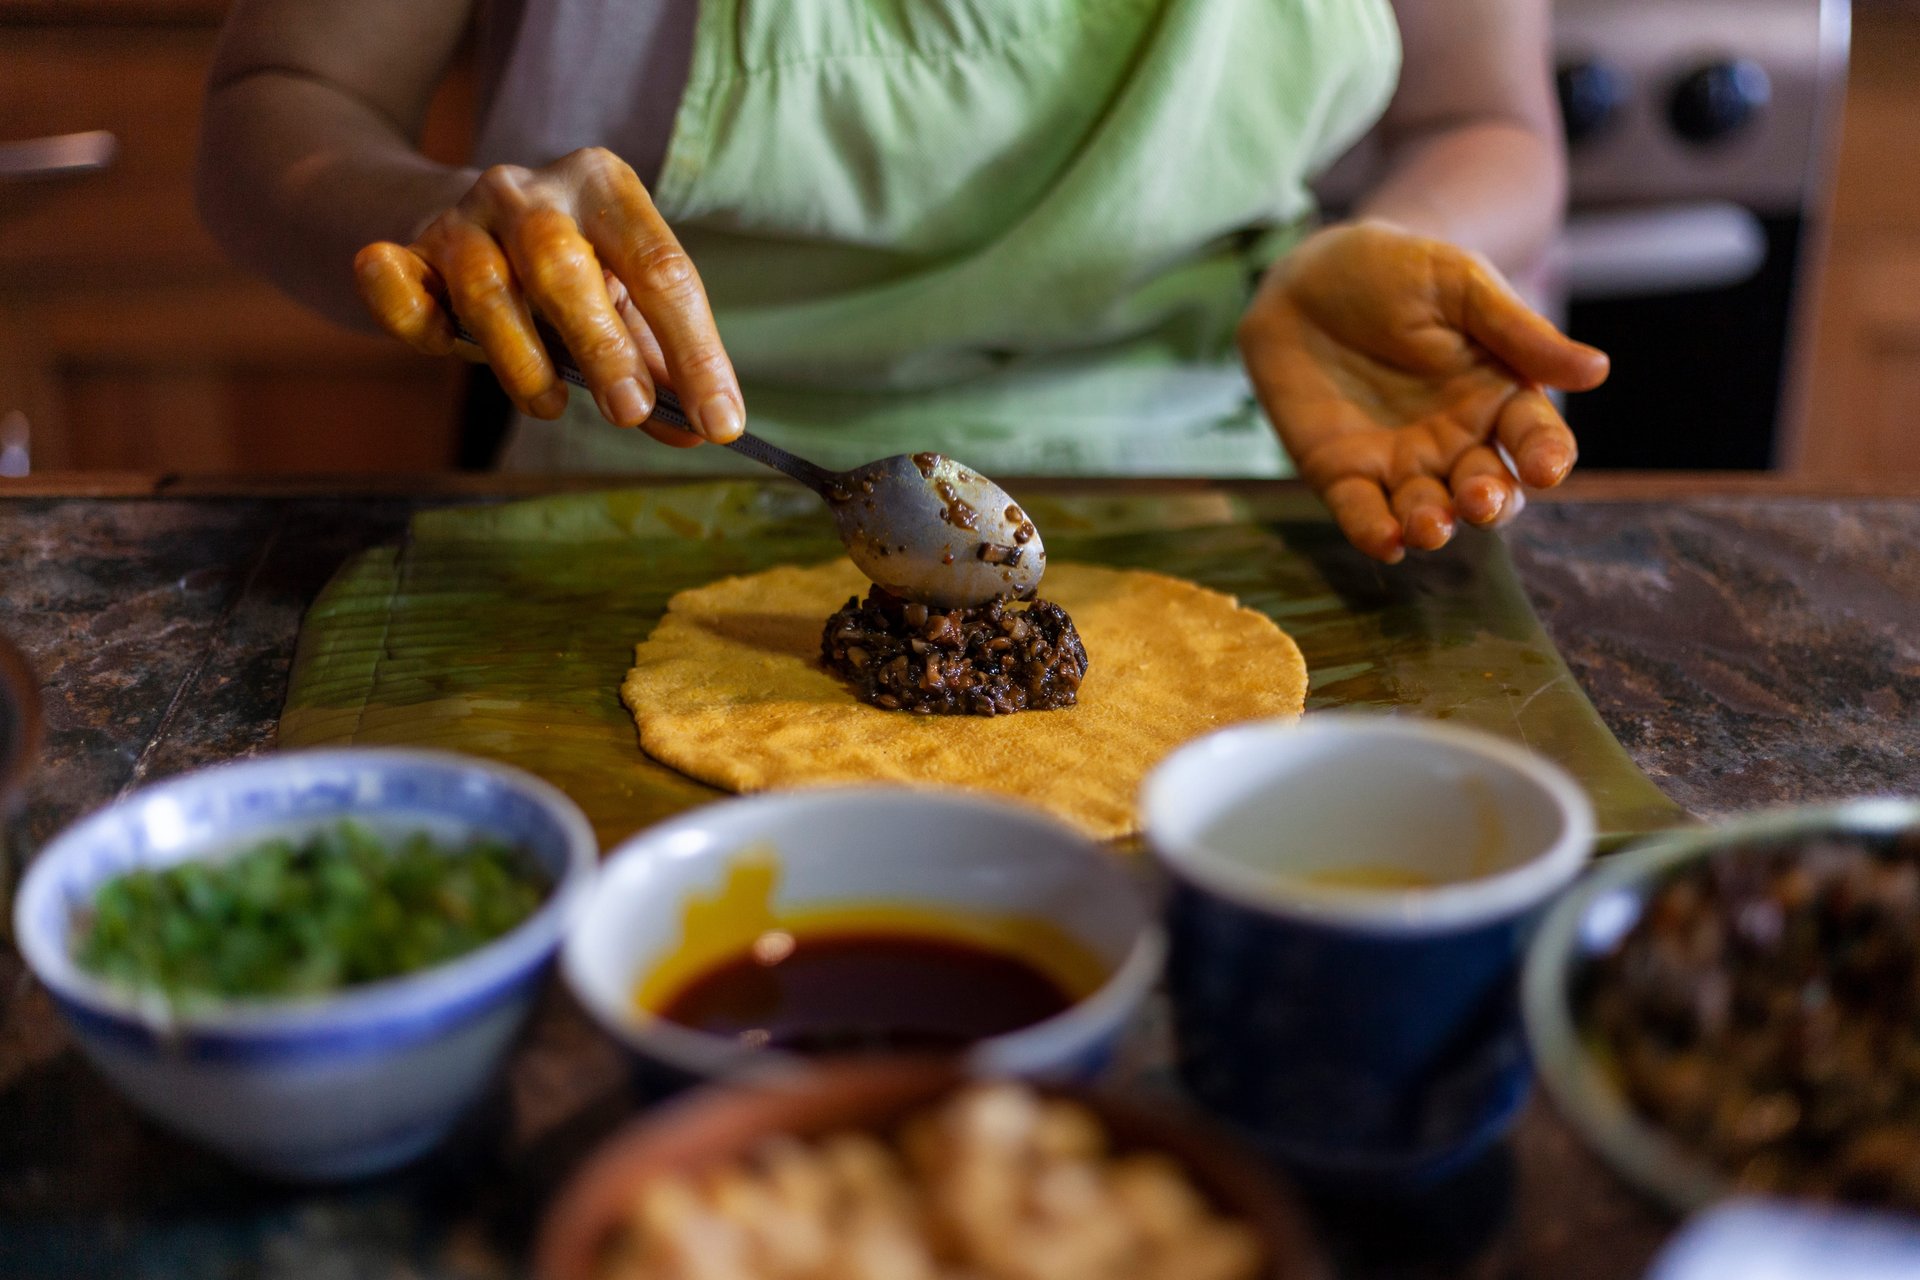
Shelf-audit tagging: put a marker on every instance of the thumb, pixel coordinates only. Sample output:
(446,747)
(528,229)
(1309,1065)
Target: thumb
(1525,340)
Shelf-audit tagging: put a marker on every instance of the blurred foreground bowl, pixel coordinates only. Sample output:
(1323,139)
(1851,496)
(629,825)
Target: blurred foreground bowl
(722,1124)
(332,1086)
(1590,922)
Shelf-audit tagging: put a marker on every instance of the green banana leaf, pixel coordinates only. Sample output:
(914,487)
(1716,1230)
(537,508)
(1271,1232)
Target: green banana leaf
(505,630)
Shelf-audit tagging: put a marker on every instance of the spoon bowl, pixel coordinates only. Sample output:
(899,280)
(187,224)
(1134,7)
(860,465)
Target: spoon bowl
(928,528)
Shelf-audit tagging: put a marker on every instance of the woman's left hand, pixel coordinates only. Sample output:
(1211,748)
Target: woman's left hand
(1392,365)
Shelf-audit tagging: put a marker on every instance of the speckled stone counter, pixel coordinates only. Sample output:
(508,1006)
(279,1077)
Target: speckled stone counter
(1749,645)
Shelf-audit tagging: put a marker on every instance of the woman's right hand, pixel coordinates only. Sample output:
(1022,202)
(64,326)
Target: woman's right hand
(580,244)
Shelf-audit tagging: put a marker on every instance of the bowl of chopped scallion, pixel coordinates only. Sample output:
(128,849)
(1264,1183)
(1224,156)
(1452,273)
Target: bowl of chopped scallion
(312,962)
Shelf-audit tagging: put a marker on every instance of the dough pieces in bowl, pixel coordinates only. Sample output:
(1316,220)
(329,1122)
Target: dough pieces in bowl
(729,690)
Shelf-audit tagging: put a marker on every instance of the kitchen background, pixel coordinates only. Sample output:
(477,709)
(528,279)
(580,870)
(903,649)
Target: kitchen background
(1745,239)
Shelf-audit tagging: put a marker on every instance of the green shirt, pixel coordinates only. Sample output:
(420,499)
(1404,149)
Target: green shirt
(1016,231)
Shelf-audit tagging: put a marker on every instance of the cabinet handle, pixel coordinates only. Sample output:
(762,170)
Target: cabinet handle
(57,156)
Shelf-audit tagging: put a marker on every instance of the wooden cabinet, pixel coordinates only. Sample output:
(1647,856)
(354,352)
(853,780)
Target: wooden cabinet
(126,339)
(1862,415)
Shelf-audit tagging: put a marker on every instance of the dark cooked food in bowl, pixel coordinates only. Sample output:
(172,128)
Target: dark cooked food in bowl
(989,660)
(1764,1011)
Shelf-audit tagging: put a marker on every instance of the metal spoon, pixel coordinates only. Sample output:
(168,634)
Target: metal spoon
(921,525)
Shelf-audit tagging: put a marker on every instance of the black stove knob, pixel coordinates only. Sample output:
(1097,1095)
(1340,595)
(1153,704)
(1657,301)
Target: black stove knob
(1716,101)
(1591,95)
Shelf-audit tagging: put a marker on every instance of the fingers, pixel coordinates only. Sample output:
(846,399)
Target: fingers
(514,248)
(650,356)
(404,295)
(1534,435)
(564,282)
(1420,502)
(1360,509)
(483,293)
(620,221)
(1425,512)
(673,437)
(1354,474)
(665,433)
(1484,492)
(1525,340)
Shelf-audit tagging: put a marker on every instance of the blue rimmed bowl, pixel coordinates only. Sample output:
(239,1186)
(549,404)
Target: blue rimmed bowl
(332,1086)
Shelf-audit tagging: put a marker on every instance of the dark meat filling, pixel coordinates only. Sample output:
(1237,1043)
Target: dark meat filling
(1765,1009)
(987,661)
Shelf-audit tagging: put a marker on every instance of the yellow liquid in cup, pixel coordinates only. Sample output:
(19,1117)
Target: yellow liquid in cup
(1374,877)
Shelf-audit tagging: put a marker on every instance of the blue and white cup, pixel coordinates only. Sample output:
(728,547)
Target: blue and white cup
(1351,898)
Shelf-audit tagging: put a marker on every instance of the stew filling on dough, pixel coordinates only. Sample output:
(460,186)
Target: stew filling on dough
(991,660)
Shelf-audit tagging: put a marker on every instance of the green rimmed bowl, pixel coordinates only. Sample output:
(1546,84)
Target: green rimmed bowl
(1589,922)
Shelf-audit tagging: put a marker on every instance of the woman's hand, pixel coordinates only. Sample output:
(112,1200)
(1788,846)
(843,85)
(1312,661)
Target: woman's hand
(580,245)
(1392,365)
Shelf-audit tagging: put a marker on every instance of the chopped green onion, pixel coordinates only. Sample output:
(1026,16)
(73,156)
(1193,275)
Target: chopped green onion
(340,909)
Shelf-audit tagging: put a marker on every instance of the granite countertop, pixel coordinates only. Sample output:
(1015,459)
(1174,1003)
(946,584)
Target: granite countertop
(1749,643)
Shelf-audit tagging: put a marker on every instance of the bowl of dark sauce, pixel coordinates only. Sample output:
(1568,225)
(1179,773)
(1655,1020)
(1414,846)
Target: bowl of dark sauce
(861,921)
(870,990)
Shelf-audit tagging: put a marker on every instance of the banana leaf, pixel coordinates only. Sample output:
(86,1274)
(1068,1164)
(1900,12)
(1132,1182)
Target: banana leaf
(505,630)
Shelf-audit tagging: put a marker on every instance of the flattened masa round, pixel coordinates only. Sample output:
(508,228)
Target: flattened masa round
(729,690)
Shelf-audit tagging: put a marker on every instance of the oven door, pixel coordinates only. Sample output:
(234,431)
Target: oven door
(1696,304)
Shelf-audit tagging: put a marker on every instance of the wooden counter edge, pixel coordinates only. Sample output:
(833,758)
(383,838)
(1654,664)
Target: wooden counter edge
(1626,486)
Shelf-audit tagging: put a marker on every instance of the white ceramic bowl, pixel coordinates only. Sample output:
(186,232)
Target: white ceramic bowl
(333,1086)
(947,852)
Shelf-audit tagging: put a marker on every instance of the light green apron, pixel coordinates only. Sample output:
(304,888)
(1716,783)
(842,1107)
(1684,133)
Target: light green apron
(1017,231)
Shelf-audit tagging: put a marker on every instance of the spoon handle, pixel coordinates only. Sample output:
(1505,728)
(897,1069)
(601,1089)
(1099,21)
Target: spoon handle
(668,409)
(816,478)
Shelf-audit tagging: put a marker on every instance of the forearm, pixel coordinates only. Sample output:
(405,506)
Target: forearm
(1472,137)
(1494,187)
(295,175)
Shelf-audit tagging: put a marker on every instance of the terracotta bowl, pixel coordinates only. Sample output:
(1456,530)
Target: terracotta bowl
(721,1123)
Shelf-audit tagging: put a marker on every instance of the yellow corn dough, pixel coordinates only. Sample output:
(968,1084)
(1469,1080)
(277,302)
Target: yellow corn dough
(729,690)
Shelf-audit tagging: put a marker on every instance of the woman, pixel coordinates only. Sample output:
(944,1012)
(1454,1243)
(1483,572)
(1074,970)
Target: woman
(1029,232)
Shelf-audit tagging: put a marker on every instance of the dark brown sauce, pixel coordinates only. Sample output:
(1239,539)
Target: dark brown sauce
(867,992)
(958,513)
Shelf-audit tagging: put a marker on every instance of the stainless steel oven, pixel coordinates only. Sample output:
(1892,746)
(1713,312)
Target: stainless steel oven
(1700,135)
